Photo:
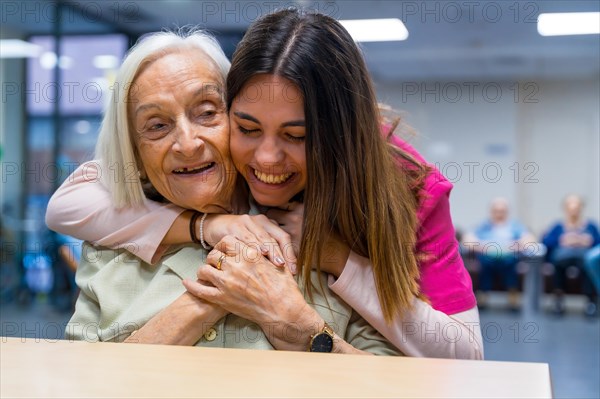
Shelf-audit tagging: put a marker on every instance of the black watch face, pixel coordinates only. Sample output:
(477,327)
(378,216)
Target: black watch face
(322,343)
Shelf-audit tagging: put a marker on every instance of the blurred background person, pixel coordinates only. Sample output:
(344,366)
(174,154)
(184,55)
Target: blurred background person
(497,243)
(567,242)
(67,255)
(592,267)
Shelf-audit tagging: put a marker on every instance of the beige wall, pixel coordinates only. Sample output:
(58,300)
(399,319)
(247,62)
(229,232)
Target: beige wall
(531,142)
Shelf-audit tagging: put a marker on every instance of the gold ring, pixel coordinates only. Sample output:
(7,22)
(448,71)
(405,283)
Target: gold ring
(220,261)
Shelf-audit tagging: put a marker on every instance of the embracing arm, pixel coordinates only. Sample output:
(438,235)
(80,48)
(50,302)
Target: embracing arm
(449,327)
(82,208)
(422,331)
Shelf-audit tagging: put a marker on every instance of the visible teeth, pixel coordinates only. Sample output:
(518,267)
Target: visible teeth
(271,179)
(186,170)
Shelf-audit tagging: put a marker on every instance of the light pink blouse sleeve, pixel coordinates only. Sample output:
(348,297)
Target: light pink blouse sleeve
(422,332)
(82,208)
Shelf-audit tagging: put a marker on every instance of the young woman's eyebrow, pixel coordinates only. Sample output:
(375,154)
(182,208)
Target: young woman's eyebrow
(243,115)
(299,122)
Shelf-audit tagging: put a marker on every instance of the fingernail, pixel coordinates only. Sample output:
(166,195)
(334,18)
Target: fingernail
(279,261)
(264,249)
(293,268)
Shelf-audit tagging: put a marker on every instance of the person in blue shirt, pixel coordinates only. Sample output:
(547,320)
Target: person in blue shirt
(592,266)
(568,242)
(497,243)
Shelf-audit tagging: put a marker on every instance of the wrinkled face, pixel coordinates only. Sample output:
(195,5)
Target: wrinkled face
(268,138)
(181,131)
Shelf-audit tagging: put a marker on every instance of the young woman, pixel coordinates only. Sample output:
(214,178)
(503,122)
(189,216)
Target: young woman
(305,126)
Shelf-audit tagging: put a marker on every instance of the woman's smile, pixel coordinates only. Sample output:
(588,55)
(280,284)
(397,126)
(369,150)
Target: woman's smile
(268,138)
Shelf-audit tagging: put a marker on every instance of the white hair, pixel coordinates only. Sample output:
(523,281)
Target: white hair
(115,148)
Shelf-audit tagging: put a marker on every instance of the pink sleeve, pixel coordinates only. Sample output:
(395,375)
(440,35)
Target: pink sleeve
(82,208)
(444,278)
(421,332)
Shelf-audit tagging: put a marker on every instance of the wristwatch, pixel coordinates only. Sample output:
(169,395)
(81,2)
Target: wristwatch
(322,341)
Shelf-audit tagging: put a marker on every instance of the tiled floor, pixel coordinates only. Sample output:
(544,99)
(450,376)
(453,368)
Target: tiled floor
(570,344)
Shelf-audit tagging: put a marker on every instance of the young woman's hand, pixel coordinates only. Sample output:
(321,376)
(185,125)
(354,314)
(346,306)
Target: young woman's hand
(335,252)
(290,220)
(242,281)
(255,231)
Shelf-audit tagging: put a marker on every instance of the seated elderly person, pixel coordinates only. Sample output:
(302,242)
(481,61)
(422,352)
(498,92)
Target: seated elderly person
(498,242)
(568,242)
(125,299)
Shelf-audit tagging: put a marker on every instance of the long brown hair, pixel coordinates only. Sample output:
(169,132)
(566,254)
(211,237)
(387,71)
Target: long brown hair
(354,187)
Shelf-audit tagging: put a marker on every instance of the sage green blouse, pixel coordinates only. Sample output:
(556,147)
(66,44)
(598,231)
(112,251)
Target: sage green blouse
(120,293)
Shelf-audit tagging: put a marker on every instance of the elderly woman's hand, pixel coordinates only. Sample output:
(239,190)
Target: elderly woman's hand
(257,231)
(245,283)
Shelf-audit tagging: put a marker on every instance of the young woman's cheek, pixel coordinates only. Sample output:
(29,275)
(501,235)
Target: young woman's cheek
(241,151)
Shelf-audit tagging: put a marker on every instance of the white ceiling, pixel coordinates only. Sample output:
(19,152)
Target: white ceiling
(447,39)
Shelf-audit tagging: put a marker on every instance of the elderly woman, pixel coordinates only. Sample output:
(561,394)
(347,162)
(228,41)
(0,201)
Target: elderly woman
(568,242)
(187,162)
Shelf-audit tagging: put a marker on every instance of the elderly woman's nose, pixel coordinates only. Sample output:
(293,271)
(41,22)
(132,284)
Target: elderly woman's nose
(188,139)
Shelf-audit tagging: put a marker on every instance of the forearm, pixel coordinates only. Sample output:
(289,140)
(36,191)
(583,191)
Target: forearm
(82,207)
(181,323)
(421,331)
(295,334)
(179,232)
(426,332)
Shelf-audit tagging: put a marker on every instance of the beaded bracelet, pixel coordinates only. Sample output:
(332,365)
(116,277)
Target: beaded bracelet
(195,238)
(204,244)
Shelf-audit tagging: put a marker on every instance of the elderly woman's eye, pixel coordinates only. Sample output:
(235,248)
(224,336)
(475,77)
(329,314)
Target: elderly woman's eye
(158,126)
(155,129)
(206,114)
(154,124)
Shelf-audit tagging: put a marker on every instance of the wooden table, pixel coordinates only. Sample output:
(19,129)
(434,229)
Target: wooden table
(61,369)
